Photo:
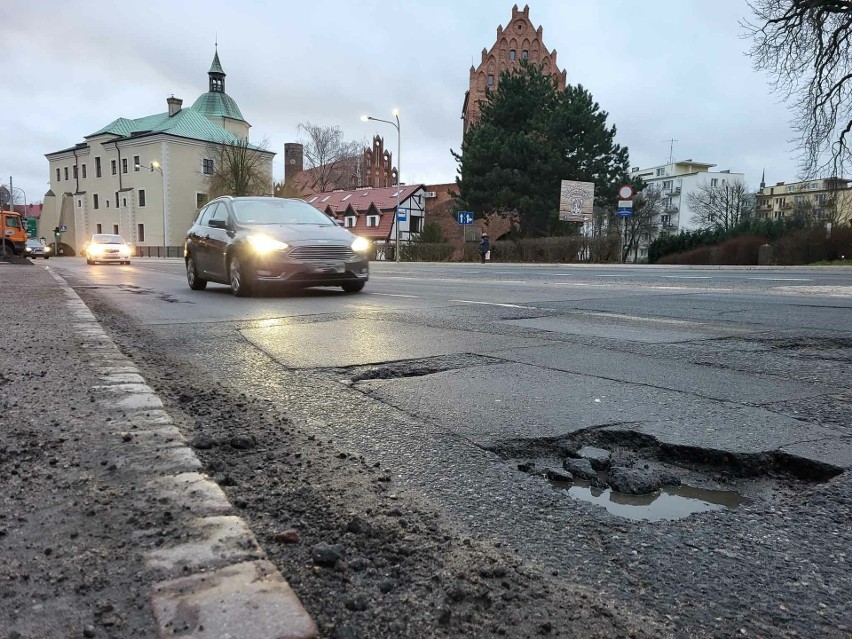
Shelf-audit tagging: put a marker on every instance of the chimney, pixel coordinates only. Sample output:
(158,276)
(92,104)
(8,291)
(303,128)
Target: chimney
(174,105)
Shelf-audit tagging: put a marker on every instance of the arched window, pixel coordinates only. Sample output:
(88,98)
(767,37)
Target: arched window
(490,80)
(525,55)
(512,54)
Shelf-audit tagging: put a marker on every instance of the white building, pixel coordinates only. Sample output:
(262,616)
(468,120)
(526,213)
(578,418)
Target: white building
(144,178)
(676,182)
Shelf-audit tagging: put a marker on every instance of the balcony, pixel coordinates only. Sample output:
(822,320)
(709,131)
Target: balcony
(671,208)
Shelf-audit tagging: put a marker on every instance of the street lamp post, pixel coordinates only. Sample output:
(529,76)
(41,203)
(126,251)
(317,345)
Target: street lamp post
(366,118)
(155,166)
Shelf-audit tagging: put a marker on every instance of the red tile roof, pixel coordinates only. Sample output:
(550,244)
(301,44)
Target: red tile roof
(32,210)
(365,201)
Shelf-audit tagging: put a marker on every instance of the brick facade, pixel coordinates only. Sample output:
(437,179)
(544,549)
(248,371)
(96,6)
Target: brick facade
(519,40)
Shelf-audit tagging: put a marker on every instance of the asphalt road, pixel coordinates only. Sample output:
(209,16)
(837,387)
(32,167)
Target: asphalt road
(449,375)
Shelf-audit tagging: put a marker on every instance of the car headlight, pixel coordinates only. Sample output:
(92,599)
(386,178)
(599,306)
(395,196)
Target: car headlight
(47,249)
(96,249)
(361,245)
(265,244)
(29,249)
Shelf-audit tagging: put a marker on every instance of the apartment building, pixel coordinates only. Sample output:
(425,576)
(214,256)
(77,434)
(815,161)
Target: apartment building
(825,199)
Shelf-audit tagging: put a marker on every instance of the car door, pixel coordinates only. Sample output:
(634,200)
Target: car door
(196,239)
(217,242)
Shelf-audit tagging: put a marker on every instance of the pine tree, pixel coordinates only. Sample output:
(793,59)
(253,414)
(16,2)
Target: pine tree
(530,137)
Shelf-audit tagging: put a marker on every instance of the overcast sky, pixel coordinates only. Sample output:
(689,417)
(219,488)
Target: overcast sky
(662,69)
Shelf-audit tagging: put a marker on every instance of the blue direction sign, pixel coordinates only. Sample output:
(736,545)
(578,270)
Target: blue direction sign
(625,208)
(625,212)
(63,229)
(465,217)
(401,215)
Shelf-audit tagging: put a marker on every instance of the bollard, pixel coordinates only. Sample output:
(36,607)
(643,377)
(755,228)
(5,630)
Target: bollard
(765,255)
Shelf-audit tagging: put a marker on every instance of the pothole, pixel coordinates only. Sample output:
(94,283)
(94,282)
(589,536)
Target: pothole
(667,503)
(416,367)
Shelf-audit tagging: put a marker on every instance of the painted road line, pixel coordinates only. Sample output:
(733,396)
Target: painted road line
(395,295)
(531,308)
(780,279)
(687,277)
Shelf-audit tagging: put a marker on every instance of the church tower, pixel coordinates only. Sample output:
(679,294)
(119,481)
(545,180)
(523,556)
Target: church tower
(217,106)
(520,40)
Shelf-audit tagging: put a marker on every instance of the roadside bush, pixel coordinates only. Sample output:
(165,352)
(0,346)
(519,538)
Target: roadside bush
(427,252)
(738,251)
(574,248)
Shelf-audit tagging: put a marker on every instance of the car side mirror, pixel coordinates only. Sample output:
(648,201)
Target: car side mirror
(217,224)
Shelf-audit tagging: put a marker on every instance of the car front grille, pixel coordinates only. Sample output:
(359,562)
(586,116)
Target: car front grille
(321,253)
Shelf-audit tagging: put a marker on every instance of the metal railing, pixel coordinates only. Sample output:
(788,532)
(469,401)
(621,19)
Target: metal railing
(159,251)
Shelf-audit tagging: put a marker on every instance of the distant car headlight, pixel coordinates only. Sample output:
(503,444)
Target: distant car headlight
(96,249)
(265,244)
(361,245)
(29,249)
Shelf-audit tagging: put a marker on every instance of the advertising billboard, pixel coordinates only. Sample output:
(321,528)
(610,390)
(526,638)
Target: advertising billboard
(576,201)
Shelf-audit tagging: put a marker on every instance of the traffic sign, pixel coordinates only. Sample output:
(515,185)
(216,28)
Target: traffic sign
(63,229)
(626,192)
(31,225)
(465,218)
(5,196)
(401,215)
(625,208)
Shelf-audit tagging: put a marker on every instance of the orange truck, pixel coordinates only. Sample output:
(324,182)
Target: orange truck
(13,233)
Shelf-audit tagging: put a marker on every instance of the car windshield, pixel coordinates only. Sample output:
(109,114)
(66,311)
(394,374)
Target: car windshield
(107,239)
(278,211)
(34,243)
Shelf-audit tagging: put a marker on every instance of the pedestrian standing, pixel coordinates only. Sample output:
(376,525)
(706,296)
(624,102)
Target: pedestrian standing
(484,247)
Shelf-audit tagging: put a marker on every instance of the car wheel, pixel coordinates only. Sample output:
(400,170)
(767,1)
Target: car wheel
(353,287)
(89,262)
(47,257)
(242,283)
(195,282)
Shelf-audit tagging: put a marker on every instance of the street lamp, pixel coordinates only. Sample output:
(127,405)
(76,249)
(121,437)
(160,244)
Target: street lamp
(155,166)
(367,118)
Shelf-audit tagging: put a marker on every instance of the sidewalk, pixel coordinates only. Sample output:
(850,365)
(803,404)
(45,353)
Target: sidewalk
(107,528)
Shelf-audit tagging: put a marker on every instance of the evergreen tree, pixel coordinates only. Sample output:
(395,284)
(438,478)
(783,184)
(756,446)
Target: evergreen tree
(530,137)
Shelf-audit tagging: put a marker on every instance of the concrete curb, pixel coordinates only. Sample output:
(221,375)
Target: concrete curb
(216,580)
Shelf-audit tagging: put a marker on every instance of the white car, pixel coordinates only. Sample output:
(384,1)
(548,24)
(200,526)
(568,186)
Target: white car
(107,248)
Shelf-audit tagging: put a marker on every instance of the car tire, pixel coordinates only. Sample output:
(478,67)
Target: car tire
(89,261)
(242,283)
(196,282)
(47,257)
(353,287)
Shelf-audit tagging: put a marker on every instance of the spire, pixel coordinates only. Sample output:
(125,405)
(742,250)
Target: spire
(216,73)
(763,179)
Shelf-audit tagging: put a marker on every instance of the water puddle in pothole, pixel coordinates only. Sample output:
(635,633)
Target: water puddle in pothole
(671,502)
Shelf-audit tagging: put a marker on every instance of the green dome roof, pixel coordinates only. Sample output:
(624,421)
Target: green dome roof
(216,104)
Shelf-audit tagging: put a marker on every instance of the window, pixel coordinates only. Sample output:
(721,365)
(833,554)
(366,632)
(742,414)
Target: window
(106,203)
(115,229)
(372,220)
(98,227)
(821,197)
(667,184)
(113,165)
(714,182)
(116,199)
(58,176)
(95,202)
(74,171)
(141,197)
(66,172)
(124,165)
(124,201)
(525,54)
(140,232)
(137,165)
(204,216)
(491,80)
(349,221)
(220,212)
(661,171)
(97,167)
(512,54)
(79,204)
(207,166)
(665,220)
(200,200)
(84,171)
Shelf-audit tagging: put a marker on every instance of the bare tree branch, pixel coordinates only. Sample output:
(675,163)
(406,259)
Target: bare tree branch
(723,206)
(332,162)
(804,45)
(239,169)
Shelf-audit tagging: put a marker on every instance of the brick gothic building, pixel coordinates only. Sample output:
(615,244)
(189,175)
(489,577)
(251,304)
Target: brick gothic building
(373,168)
(520,40)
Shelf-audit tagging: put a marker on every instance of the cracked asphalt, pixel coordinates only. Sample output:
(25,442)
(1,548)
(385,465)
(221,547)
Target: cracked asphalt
(416,399)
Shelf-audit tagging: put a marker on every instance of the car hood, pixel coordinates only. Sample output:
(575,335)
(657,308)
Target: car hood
(301,233)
